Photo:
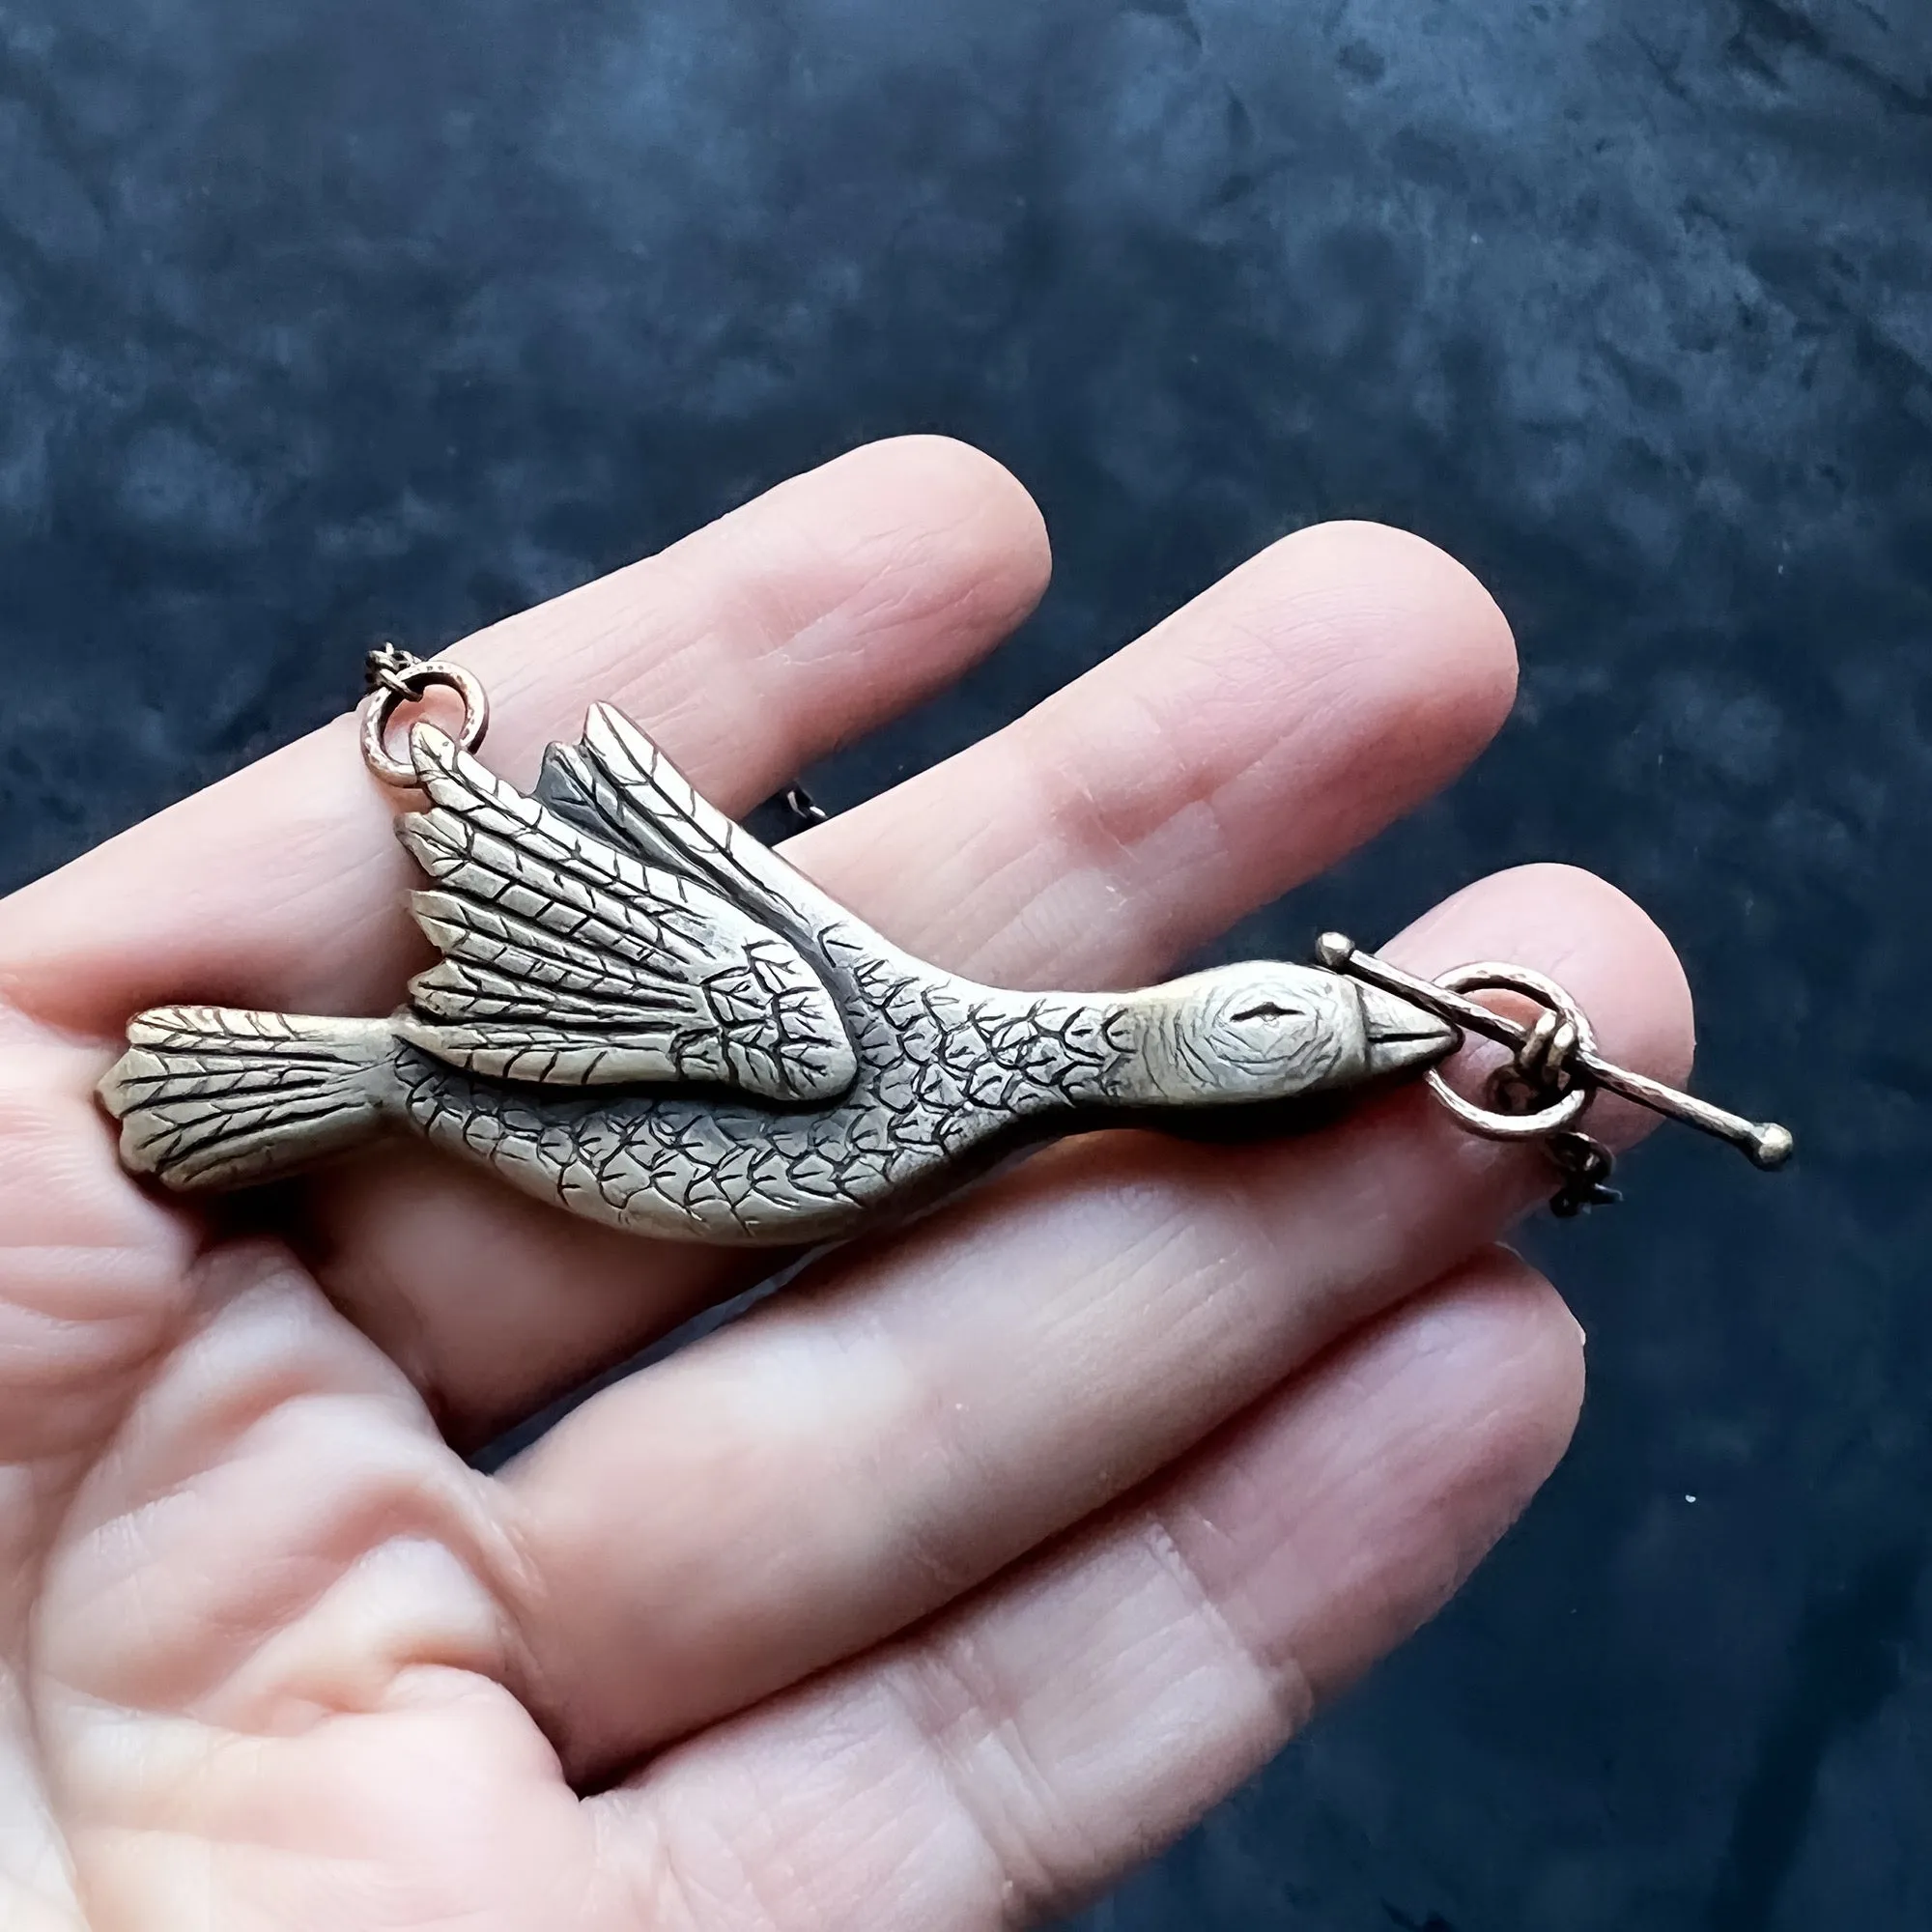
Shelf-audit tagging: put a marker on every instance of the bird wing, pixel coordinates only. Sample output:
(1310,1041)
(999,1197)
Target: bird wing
(569,961)
(619,783)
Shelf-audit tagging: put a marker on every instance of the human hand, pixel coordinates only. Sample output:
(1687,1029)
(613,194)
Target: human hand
(965,1570)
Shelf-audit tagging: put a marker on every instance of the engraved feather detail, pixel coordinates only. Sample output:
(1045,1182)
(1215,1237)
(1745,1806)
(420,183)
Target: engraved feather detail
(567,961)
(213,1097)
(644,1015)
(942,1076)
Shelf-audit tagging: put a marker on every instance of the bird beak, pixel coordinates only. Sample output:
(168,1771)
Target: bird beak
(1401,1036)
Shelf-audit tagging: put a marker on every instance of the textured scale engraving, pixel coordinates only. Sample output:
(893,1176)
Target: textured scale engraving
(644,1014)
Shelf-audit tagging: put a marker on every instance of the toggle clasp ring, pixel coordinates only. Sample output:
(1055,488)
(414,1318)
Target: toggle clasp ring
(395,678)
(1764,1143)
(1491,975)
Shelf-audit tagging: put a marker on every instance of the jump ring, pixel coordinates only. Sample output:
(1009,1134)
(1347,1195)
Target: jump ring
(1489,976)
(407,687)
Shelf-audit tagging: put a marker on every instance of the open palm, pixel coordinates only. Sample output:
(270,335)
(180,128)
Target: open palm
(965,1570)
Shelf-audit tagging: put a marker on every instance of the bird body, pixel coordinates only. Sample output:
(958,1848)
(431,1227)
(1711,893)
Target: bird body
(646,1015)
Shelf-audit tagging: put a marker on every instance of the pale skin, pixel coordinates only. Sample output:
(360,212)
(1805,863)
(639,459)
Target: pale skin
(966,1571)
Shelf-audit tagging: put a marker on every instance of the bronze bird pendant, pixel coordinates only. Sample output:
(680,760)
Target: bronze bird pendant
(647,1016)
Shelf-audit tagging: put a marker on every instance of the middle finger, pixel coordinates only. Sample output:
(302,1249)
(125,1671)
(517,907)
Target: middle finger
(1279,720)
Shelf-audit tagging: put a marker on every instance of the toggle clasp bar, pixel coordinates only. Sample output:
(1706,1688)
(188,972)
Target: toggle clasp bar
(1764,1143)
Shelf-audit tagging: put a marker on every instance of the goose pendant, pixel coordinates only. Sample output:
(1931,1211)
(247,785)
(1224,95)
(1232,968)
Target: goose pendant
(644,1014)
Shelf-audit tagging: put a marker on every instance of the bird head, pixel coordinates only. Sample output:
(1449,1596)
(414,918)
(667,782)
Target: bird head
(1266,1031)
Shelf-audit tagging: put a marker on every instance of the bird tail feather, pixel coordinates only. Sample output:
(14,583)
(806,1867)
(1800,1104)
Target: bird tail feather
(218,1097)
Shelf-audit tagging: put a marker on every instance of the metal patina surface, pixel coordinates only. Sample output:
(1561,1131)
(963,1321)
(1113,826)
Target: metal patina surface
(648,1015)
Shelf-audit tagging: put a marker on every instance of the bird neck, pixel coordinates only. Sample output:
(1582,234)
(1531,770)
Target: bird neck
(1043,1052)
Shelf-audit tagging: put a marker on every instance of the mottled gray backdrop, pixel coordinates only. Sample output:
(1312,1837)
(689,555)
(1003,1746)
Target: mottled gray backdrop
(325,319)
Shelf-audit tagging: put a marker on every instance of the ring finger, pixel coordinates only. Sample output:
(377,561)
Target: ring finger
(1259,734)
(866,1448)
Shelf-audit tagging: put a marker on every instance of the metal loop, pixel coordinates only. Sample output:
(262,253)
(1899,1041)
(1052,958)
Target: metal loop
(397,679)
(1544,1063)
(1586,1167)
(1764,1142)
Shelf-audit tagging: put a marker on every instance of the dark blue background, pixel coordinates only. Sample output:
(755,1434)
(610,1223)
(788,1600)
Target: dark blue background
(328,319)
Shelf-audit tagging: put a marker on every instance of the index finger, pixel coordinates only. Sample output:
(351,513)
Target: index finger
(820,609)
